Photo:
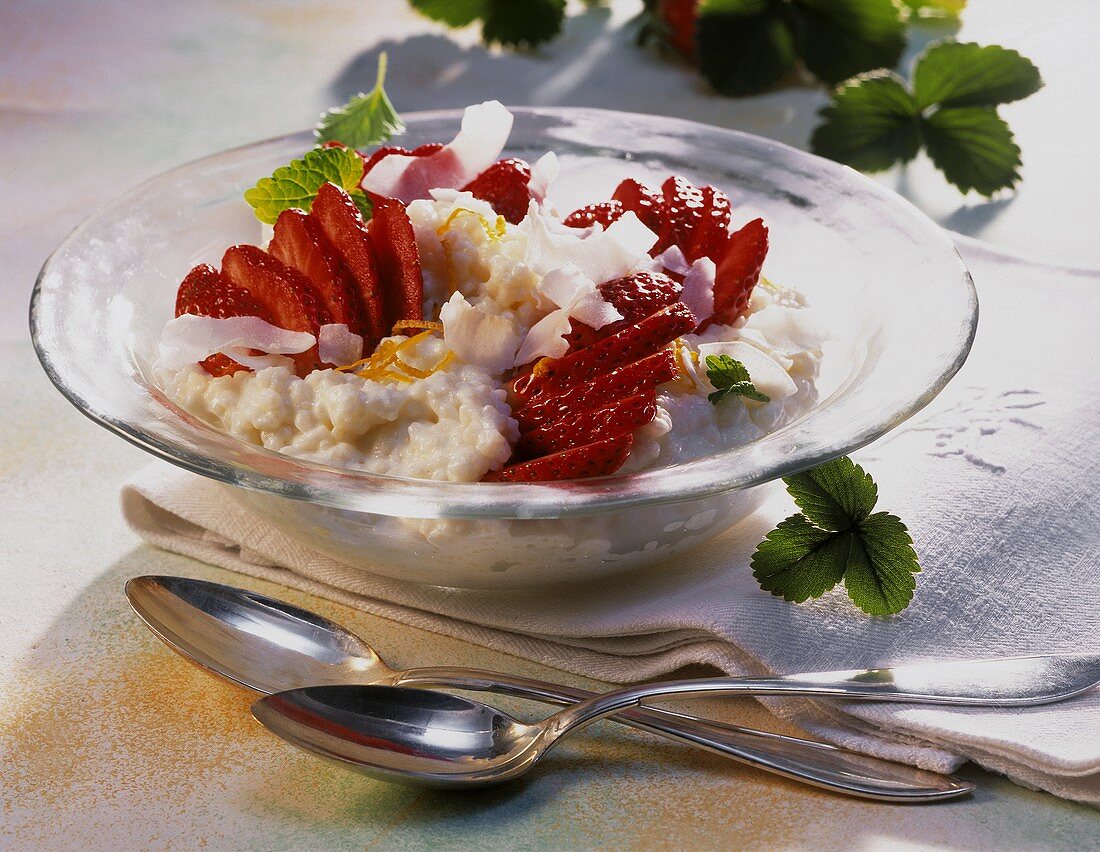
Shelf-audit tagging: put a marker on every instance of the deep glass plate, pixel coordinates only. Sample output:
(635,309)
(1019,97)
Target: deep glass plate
(887,282)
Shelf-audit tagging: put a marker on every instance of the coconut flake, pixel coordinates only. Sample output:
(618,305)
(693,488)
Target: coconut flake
(601,255)
(188,339)
(766,373)
(546,339)
(672,260)
(544,172)
(789,331)
(338,345)
(478,338)
(698,292)
(478,144)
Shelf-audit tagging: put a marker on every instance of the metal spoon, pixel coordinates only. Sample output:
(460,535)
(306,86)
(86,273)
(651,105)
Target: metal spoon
(268,645)
(417,736)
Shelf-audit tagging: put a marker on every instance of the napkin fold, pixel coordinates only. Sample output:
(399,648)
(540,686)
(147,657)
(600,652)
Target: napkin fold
(998,480)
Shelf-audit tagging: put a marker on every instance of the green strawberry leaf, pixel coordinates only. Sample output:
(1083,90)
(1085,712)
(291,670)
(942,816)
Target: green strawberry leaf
(513,23)
(744,46)
(836,495)
(453,13)
(951,74)
(840,38)
(296,184)
(973,147)
(881,564)
(936,8)
(365,120)
(797,560)
(870,124)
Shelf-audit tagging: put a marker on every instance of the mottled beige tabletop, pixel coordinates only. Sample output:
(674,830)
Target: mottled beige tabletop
(107,740)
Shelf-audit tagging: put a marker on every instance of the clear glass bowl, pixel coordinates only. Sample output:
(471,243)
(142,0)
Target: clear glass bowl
(886,281)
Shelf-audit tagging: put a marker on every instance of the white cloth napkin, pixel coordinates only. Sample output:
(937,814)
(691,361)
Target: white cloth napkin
(998,480)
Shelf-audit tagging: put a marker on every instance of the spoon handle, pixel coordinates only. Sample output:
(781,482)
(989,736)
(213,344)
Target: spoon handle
(818,764)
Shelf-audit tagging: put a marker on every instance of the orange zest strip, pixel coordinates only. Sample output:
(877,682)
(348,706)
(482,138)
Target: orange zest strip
(400,325)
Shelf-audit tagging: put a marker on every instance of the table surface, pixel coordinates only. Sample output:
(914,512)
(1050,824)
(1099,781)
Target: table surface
(110,741)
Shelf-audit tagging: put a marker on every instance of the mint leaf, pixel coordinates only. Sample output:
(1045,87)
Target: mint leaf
(365,120)
(839,38)
(797,560)
(836,495)
(879,576)
(744,46)
(836,537)
(296,184)
(952,74)
(730,378)
(513,23)
(973,147)
(870,125)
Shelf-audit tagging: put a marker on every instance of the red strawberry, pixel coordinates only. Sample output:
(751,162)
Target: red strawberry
(712,231)
(284,294)
(205,292)
(420,151)
(299,242)
(584,427)
(738,271)
(391,234)
(644,202)
(602,214)
(624,382)
(629,345)
(683,211)
(635,297)
(678,17)
(597,459)
(342,224)
(504,186)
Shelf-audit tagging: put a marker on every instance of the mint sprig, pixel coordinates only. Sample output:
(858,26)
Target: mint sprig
(512,23)
(876,120)
(745,47)
(296,184)
(730,378)
(365,120)
(837,537)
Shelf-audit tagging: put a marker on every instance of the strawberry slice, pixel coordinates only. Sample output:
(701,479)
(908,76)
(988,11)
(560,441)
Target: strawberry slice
(299,242)
(342,225)
(420,151)
(284,294)
(629,345)
(603,213)
(683,211)
(205,292)
(646,374)
(597,459)
(644,202)
(678,19)
(738,272)
(585,427)
(391,234)
(635,297)
(504,186)
(712,231)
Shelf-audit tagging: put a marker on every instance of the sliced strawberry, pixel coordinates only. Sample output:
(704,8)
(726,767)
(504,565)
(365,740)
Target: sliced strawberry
(644,202)
(738,272)
(285,295)
(597,459)
(635,297)
(300,242)
(205,292)
(603,213)
(712,231)
(342,224)
(504,186)
(646,374)
(683,211)
(420,151)
(629,345)
(585,427)
(391,234)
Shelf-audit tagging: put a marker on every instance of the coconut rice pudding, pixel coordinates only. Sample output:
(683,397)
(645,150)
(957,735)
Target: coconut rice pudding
(470,331)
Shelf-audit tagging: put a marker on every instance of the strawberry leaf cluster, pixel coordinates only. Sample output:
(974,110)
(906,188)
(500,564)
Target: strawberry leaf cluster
(837,537)
(512,23)
(949,108)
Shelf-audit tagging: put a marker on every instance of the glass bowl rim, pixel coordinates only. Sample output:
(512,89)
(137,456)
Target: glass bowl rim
(389,495)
